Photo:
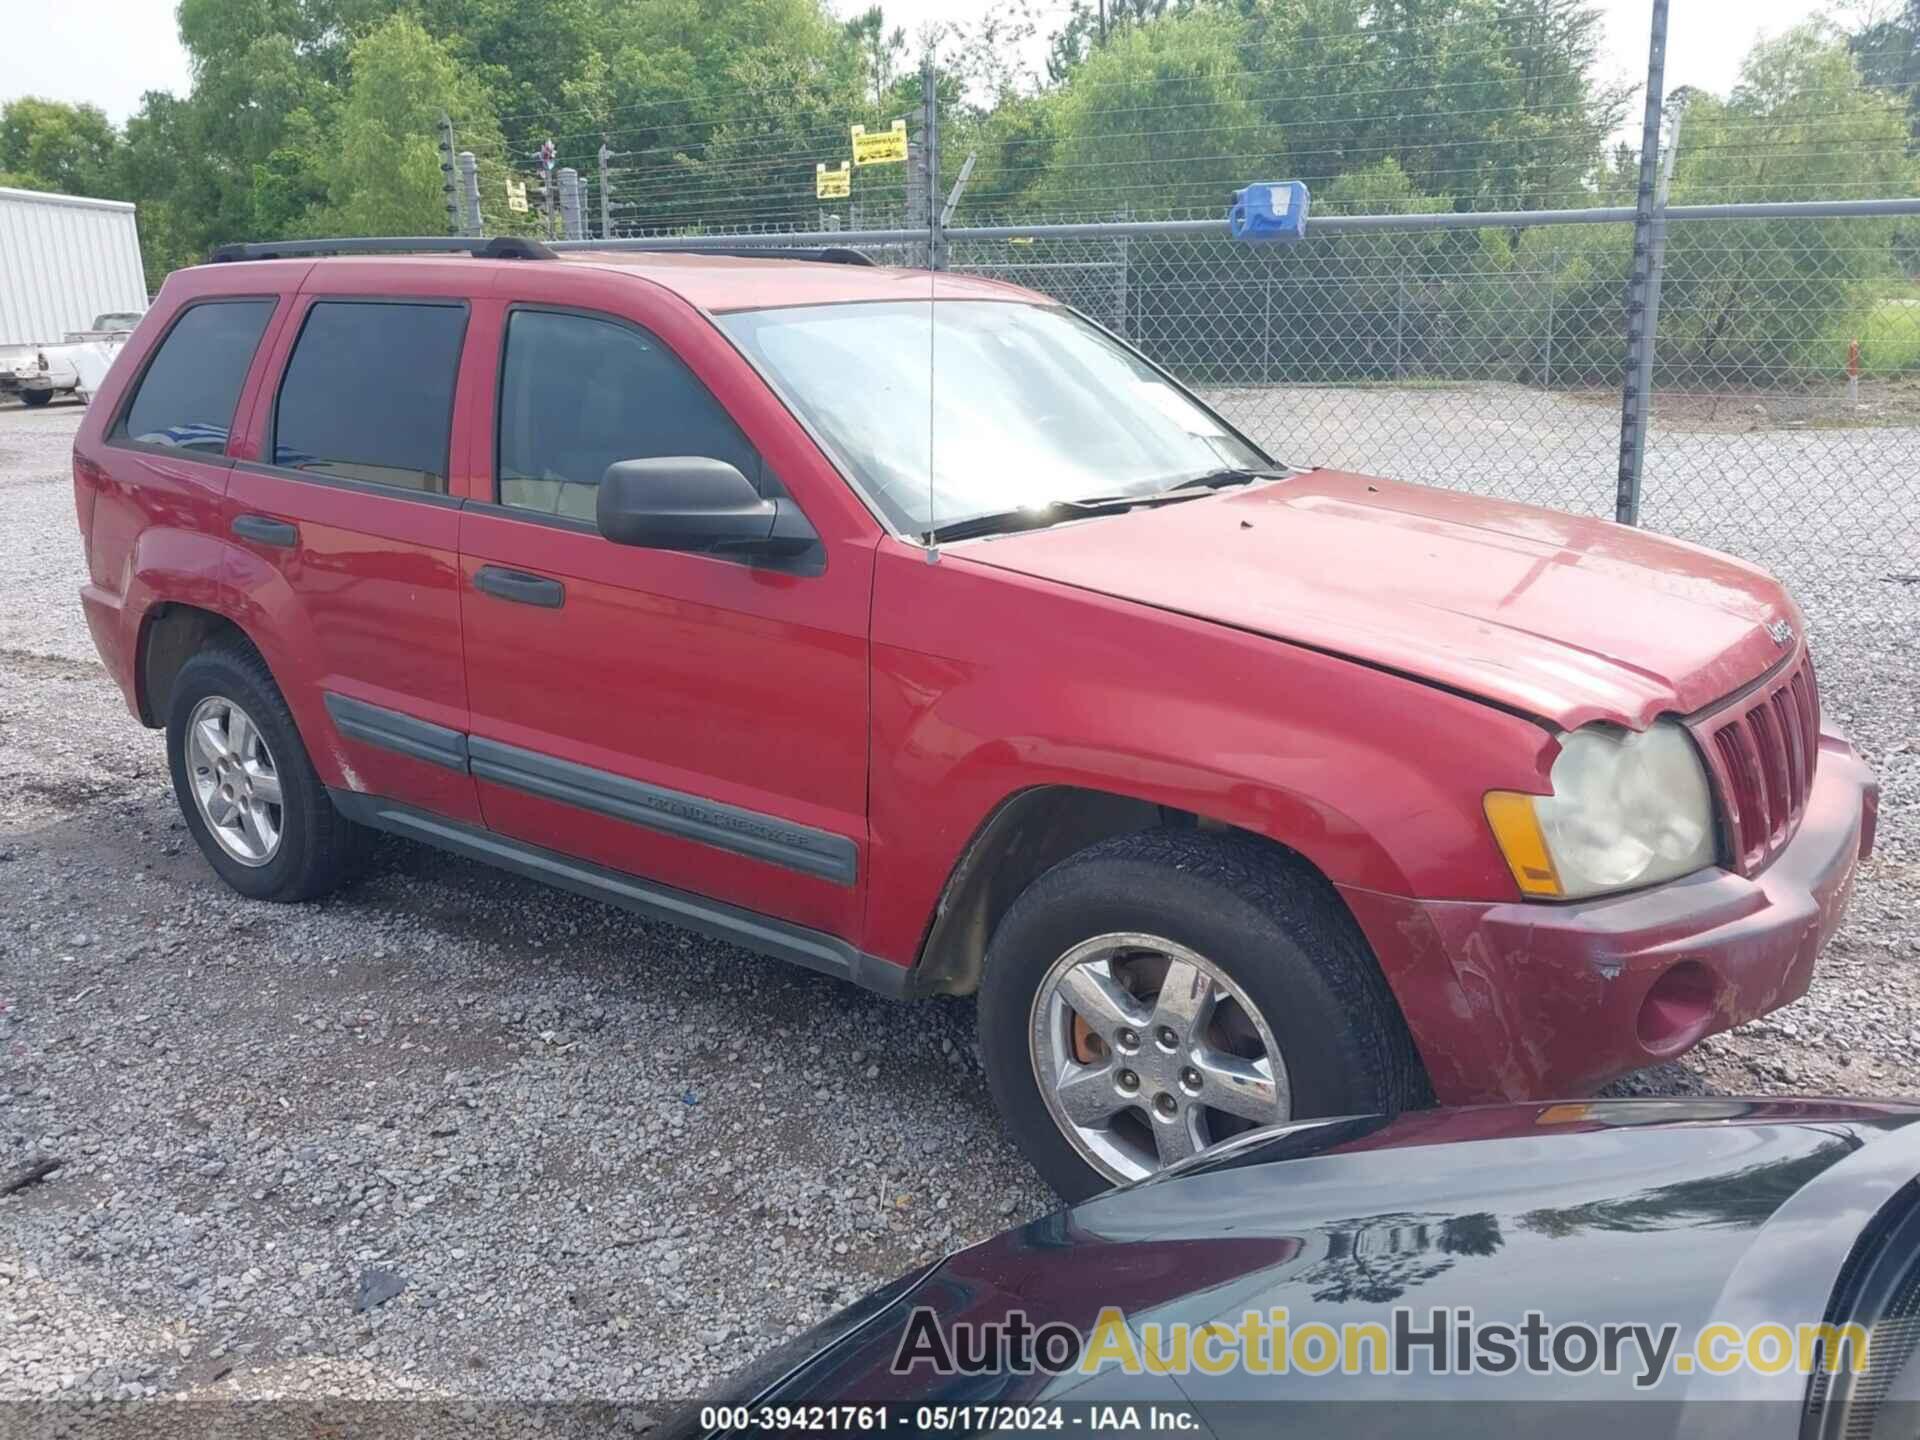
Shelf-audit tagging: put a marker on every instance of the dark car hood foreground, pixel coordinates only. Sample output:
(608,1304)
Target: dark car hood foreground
(1687,1211)
(1558,616)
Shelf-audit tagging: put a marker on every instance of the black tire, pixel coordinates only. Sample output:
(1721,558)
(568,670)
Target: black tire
(319,848)
(1266,918)
(34,399)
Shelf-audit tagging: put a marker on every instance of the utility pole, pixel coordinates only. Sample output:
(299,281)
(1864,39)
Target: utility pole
(571,211)
(1642,297)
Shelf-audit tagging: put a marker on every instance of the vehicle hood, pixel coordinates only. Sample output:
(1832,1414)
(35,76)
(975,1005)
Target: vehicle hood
(1558,616)
(1689,1211)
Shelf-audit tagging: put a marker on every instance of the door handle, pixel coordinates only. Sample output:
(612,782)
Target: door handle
(265,531)
(520,587)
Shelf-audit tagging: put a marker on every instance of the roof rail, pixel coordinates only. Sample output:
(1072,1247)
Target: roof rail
(500,247)
(824,255)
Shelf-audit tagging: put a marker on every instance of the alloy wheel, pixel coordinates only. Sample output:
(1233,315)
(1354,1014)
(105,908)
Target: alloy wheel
(236,784)
(1146,1053)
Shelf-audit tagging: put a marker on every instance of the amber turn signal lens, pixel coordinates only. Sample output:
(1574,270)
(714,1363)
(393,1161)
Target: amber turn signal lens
(1517,829)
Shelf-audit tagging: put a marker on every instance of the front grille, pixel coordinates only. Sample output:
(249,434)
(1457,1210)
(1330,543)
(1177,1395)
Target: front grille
(1763,750)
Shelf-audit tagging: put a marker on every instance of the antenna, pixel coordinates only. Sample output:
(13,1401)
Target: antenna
(930,194)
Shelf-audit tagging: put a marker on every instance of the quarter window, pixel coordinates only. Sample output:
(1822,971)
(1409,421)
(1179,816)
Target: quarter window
(368,393)
(187,397)
(578,394)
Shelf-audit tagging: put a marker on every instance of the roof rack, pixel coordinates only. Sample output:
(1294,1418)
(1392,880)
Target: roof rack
(820,254)
(500,247)
(518,247)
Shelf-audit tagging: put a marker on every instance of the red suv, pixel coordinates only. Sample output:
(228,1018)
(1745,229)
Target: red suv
(954,647)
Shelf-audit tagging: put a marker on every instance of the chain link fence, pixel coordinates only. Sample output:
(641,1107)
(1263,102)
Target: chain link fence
(1489,359)
(1770,349)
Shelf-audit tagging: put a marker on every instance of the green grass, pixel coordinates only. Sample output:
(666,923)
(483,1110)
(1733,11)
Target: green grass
(1887,326)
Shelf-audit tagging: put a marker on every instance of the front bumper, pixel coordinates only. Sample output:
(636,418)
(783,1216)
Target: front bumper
(1530,1000)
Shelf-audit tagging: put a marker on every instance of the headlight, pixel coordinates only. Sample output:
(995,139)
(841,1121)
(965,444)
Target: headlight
(1626,809)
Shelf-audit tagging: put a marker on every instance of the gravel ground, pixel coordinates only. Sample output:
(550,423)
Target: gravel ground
(603,1158)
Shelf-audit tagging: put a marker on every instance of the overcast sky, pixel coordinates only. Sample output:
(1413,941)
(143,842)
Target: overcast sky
(110,51)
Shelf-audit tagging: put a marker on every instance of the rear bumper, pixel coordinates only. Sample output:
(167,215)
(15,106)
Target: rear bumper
(1521,1001)
(113,629)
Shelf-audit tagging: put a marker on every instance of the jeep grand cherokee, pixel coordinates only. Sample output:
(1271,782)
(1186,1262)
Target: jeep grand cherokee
(1237,792)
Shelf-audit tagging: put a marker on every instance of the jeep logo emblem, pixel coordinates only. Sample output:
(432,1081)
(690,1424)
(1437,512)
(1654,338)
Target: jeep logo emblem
(1781,631)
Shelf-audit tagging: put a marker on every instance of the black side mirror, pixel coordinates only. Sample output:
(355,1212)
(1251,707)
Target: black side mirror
(689,502)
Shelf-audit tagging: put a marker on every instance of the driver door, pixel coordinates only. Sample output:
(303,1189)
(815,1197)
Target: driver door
(695,720)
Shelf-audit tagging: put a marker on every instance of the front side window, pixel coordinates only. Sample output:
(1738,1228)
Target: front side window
(368,393)
(997,408)
(187,397)
(578,394)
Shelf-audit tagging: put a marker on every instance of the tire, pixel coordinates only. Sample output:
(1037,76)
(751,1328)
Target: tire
(1270,927)
(315,847)
(35,399)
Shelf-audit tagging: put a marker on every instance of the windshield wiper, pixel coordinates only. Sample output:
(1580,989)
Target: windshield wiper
(1057,512)
(1038,517)
(1217,480)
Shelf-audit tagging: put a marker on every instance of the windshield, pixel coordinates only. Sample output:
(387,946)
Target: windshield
(1032,406)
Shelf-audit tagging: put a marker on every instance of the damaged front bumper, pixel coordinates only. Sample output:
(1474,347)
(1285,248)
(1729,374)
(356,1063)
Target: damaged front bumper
(1529,1000)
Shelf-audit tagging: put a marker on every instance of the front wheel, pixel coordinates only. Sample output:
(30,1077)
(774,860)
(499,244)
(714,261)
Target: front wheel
(34,399)
(1163,992)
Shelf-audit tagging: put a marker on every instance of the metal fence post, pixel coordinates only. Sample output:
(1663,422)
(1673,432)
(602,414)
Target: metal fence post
(449,184)
(606,192)
(1636,392)
(470,184)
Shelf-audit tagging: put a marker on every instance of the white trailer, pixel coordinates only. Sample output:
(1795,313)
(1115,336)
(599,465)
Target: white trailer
(65,262)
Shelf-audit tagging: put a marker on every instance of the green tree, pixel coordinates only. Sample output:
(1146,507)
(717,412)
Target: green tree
(1159,120)
(50,145)
(382,166)
(1754,299)
(1490,103)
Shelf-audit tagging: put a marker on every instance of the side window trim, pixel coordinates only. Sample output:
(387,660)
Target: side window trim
(270,429)
(539,307)
(117,437)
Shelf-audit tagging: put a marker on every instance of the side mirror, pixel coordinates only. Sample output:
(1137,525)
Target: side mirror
(689,502)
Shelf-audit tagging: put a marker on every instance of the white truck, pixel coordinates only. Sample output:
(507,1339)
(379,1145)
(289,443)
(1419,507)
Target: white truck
(71,287)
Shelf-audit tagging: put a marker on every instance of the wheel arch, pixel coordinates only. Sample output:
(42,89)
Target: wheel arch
(172,632)
(1026,835)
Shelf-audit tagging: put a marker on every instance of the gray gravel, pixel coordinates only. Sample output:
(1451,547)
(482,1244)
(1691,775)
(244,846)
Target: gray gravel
(596,1157)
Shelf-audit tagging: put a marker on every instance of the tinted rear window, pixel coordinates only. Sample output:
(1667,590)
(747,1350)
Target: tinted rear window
(187,397)
(368,394)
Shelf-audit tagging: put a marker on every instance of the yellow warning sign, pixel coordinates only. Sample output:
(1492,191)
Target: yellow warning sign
(832,184)
(883,147)
(516,194)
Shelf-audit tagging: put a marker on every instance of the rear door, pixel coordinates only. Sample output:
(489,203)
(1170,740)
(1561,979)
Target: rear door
(346,523)
(164,463)
(697,720)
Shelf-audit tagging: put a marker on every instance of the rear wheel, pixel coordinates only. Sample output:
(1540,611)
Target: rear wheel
(245,786)
(1160,993)
(36,398)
